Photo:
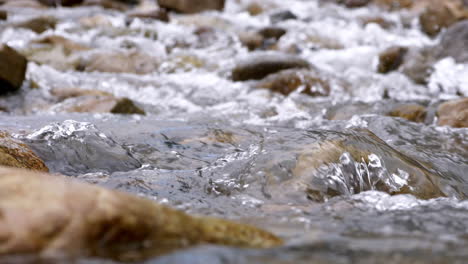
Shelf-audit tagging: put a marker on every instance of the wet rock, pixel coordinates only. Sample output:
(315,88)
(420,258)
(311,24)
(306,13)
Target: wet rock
(190,6)
(288,81)
(66,93)
(61,2)
(418,63)
(411,112)
(391,59)
(77,219)
(98,103)
(382,22)
(282,16)
(38,24)
(14,153)
(395,4)
(453,113)
(454,43)
(251,40)
(356,3)
(3,15)
(254,9)
(121,62)
(107,4)
(272,32)
(157,14)
(12,69)
(441,14)
(259,66)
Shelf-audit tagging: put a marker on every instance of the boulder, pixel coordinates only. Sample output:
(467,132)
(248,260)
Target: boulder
(391,58)
(411,112)
(287,81)
(14,153)
(53,216)
(192,6)
(453,113)
(441,14)
(121,62)
(12,69)
(38,24)
(259,66)
(454,43)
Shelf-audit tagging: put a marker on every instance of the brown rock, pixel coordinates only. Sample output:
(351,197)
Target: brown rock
(272,32)
(12,69)
(252,40)
(254,9)
(38,24)
(382,22)
(441,14)
(52,216)
(108,4)
(156,14)
(395,4)
(121,62)
(288,81)
(98,104)
(391,58)
(192,6)
(14,153)
(411,112)
(259,66)
(453,113)
(3,15)
(356,3)
(65,93)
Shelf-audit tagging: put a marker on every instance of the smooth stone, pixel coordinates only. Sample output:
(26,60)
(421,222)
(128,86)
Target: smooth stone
(14,153)
(12,69)
(453,113)
(391,59)
(411,112)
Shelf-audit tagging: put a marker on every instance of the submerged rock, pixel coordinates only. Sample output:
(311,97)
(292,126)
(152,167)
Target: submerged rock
(98,102)
(14,153)
(77,219)
(12,69)
(285,82)
(121,62)
(38,24)
(453,113)
(259,66)
(190,6)
(411,112)
(391,58)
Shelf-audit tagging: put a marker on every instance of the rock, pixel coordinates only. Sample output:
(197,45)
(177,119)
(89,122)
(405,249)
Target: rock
(12,69)
(192,6)
(282,16)
(80,220)
(22,3)
(382,22)
(438,15)
(38,24)
(108,4)
(254,9)
(288,81)
(14,153)
(454,43)
(156,14)
(395,4)
(259,66)
(453,113)
(418,63)
(66,93)
(411,112)
(272,32)
(61,2)
(252,40)
(3,15)
(356,3)
(121,62)
(97,102)
(391,59)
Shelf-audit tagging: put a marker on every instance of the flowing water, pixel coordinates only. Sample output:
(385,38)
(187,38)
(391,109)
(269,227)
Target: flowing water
(364,188)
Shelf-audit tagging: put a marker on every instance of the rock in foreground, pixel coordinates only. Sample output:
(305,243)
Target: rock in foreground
(12,69)
(77,219)
(14,153)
